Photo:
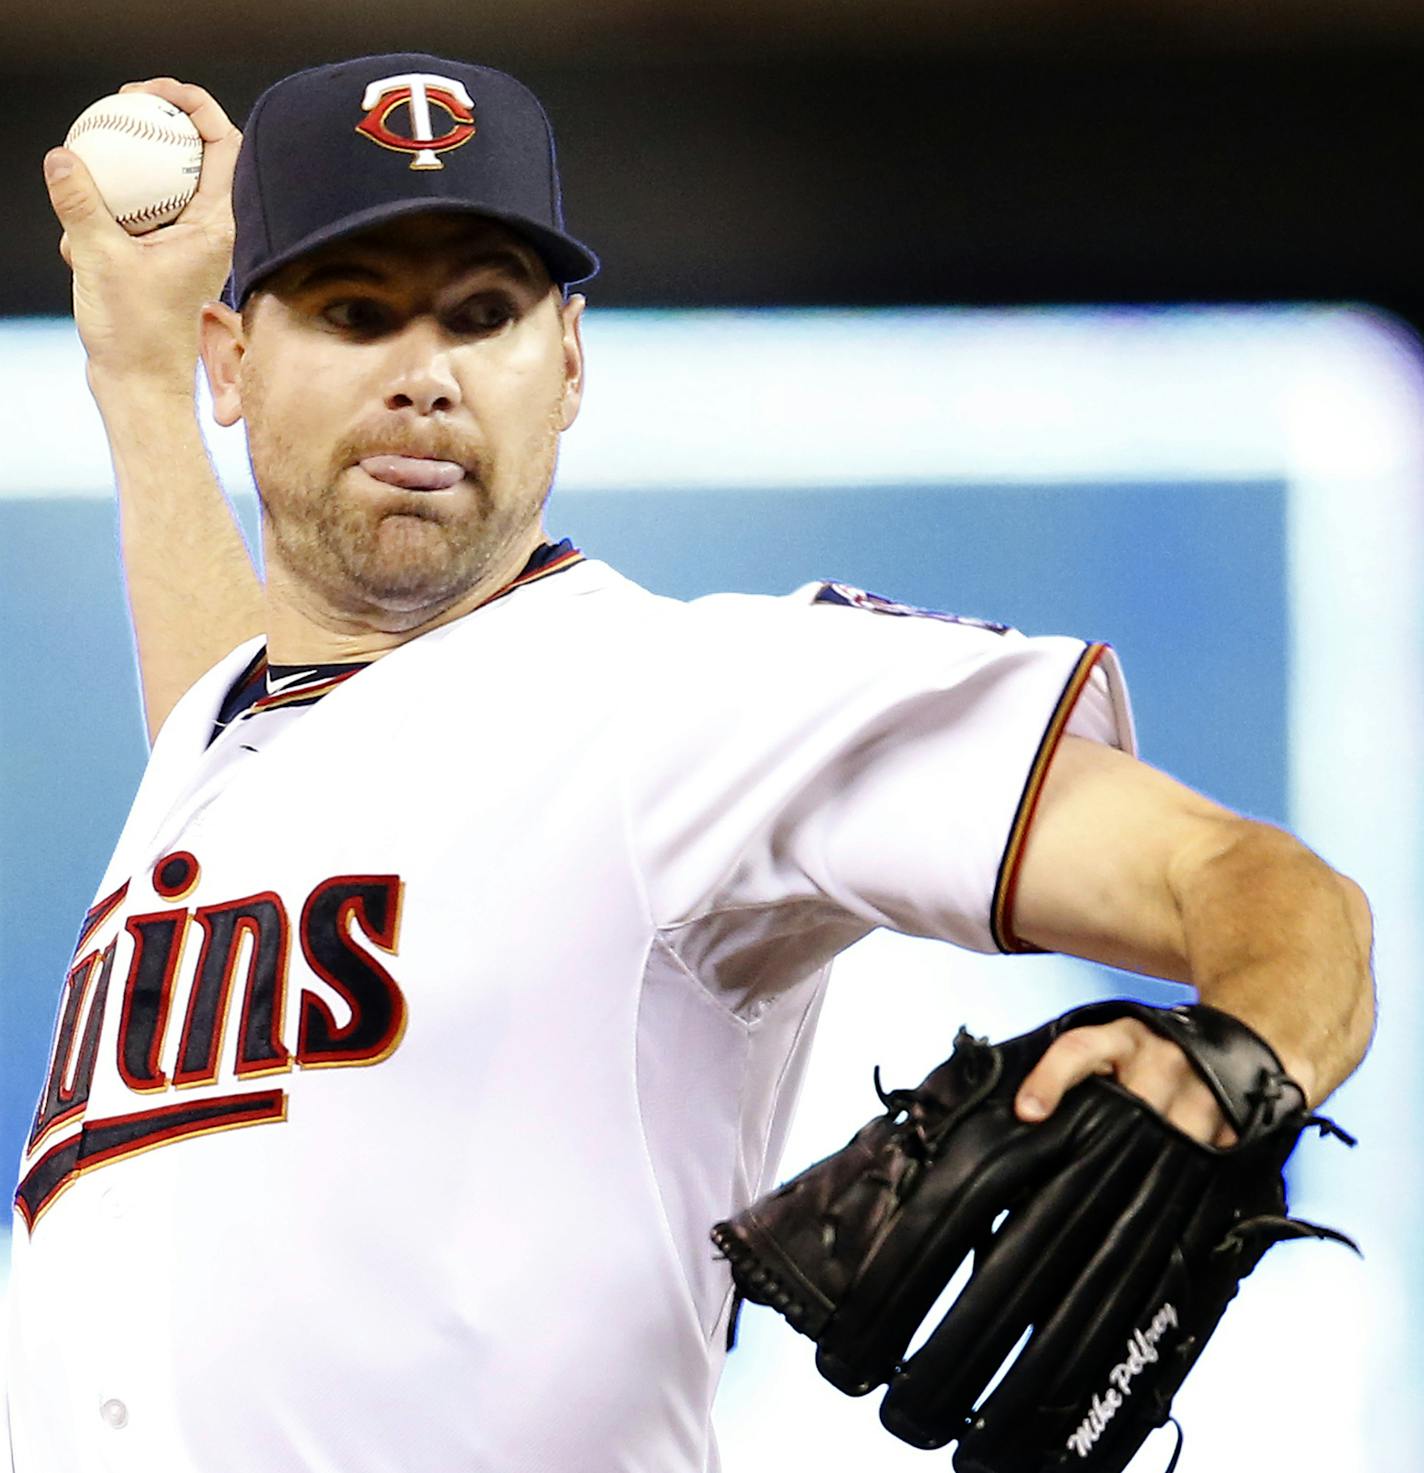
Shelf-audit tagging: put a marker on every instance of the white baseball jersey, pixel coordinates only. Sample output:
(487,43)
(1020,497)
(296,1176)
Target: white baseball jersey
(418,1034)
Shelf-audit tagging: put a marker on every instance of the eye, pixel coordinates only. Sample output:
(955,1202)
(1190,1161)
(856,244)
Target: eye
(359,316)
(481,315)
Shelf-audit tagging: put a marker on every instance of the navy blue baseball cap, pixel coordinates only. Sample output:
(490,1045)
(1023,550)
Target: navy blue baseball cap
(335,150)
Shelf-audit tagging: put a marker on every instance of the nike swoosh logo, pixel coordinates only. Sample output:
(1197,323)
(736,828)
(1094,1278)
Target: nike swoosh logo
(276,687)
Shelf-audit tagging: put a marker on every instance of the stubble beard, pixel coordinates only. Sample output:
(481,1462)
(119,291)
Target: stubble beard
(407,554)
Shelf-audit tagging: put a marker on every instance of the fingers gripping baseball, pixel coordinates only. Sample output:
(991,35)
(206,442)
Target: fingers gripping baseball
(1151,1067)
(137,298)
(76,203)
(221,141)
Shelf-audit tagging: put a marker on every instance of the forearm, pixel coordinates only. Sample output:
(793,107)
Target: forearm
(1275,936)
(192,588)
(137,306)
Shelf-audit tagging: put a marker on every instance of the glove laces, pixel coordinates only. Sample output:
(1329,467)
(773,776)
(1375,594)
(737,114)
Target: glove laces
(905,1108)
(1176,1451)
(911,1110)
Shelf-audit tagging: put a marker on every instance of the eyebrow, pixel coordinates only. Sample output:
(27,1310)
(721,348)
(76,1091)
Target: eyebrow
(336,271)
(352,270)
(510,261)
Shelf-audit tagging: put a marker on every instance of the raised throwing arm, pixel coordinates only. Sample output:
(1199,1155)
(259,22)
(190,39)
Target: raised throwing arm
(192,589)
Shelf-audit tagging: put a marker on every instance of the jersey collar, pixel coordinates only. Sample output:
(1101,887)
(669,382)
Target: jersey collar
(267,687)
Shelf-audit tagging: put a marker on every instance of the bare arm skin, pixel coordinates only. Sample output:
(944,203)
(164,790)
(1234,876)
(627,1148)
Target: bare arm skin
(193,592)
(1125,866)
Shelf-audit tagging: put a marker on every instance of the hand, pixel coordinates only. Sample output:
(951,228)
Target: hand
(137,298)
(1150,1066)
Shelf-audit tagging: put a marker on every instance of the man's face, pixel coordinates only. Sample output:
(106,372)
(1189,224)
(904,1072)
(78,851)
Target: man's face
(403,393)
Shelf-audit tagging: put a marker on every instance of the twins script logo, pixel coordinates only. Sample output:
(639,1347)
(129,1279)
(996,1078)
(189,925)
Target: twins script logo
(416,91)
(1142,1352)
(270,991)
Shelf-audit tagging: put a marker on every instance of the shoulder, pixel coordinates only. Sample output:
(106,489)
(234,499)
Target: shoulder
(824,637)
(847,596)
(831,642)
(821,608)
(834,626)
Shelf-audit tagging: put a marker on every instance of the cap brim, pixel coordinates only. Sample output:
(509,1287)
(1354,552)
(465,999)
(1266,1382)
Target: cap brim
(567,260)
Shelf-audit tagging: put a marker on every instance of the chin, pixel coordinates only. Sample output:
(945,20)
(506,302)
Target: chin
(404,588)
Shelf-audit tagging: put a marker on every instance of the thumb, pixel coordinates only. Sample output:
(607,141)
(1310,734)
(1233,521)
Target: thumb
(75,198)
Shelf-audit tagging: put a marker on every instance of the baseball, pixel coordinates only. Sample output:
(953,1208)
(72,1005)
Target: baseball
(145,156)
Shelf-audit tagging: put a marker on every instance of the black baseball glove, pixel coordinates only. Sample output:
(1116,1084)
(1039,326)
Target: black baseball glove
(1108,1238)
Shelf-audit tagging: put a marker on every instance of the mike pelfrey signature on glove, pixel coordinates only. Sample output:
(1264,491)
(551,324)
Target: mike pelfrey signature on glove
(1141,1352)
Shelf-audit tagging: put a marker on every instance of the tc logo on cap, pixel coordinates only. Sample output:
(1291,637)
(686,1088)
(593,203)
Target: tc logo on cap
(416,91)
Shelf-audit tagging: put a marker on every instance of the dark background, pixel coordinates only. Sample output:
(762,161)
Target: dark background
(835,151)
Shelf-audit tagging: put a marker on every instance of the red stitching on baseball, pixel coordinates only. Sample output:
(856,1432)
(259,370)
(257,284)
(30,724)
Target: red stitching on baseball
(139,127)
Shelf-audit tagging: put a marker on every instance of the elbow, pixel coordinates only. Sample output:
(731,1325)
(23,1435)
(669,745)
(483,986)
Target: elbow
(1361,1026)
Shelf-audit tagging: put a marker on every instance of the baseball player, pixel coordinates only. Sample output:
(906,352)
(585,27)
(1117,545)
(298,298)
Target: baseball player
(458,961)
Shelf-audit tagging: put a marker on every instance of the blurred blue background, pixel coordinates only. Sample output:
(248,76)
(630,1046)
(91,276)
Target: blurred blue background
(1230,499)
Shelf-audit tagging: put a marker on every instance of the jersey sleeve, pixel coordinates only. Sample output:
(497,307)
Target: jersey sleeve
(813,768)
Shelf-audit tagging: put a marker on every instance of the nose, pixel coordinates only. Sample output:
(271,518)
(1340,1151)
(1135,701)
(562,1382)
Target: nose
(421,376)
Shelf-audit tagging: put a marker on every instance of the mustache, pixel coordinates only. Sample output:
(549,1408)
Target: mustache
(432,442)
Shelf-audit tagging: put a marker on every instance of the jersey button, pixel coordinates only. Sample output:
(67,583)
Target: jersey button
(114,1413)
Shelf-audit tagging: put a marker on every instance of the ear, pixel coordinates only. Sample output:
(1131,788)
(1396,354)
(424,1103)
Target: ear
(222,340)
(573,360)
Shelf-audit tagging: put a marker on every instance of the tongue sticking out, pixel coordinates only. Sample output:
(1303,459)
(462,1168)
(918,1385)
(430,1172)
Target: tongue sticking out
(413,473)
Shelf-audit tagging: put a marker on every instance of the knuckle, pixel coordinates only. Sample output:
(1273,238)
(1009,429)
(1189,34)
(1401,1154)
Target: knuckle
(1168,1055)
(1135,1036)
(1078,1044)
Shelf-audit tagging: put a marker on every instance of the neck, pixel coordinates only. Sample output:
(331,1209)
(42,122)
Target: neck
(303,627)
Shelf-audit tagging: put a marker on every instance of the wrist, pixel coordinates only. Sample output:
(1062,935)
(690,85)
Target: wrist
(142,410)
(1293,1051)
(151,425)
(116,388)
(1304,1073)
